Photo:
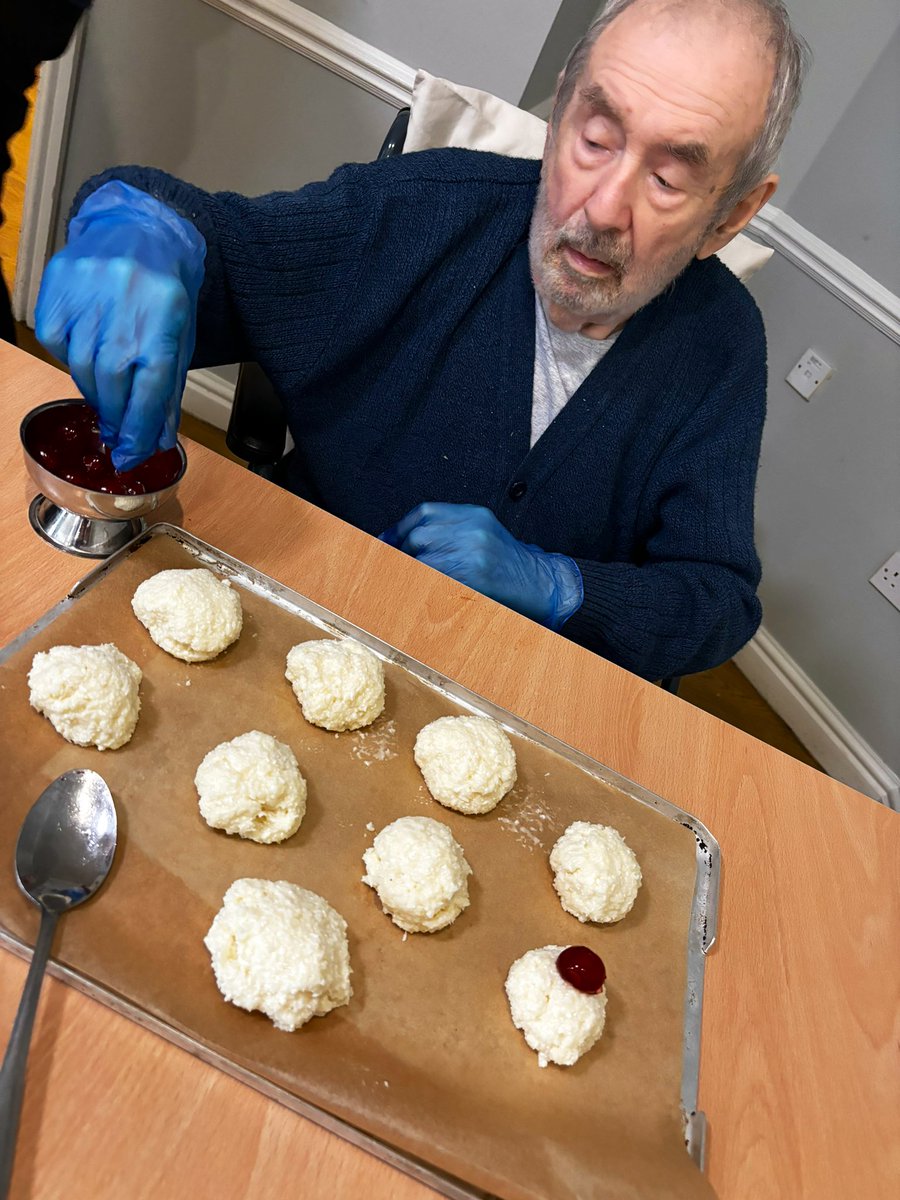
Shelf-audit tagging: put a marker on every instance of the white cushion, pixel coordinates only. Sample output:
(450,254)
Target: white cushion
(447,114)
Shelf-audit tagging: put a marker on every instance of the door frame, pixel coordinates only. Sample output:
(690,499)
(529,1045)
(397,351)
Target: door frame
(43,177)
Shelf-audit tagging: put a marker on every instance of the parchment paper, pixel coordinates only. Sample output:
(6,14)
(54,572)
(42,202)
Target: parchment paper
(425,1056)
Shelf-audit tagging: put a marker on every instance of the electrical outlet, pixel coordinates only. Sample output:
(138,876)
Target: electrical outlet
(810,371)
(887,579)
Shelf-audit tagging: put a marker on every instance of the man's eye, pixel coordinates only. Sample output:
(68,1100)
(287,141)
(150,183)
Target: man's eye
(664,184)
(593,145)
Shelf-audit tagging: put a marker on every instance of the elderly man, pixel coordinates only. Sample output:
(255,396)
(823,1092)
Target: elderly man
(539,381)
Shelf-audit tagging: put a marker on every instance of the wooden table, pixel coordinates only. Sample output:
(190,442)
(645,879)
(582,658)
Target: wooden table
(799,1076)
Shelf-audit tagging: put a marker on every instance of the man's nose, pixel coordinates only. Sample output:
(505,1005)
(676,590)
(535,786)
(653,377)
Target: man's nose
(611,200)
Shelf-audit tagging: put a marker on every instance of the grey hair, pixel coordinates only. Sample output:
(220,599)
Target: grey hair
(791,56)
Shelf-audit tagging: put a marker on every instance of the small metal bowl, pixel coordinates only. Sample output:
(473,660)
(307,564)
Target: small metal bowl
(76,519)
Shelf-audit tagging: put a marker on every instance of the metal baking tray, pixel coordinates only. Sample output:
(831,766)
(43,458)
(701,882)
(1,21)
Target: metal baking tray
(702,927)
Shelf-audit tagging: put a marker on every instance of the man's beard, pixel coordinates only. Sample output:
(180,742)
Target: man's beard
(612,296)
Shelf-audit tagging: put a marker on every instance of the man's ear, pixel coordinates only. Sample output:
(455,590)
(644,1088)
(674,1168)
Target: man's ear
(739,216)
(548,136)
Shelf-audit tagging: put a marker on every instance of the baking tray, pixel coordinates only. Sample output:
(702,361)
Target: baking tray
(528,825)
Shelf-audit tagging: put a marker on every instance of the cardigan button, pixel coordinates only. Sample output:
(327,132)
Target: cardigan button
(518,489)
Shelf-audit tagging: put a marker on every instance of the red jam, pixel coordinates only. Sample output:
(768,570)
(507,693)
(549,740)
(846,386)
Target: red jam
(582,968)
(65,440)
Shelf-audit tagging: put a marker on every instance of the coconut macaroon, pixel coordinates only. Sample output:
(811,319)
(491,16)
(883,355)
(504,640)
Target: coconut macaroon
(281,950)
(420,873)
(252,786)
(596,874)
(88,693)
(468,762)
(559,1021)
(338,683)
(192,614)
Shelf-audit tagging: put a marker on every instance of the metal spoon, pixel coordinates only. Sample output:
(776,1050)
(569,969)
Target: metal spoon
(64,852)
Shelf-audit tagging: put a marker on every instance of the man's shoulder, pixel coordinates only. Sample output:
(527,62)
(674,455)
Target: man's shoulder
(446,191)
(445,167)
(706,330)
(709,314)
(722,301)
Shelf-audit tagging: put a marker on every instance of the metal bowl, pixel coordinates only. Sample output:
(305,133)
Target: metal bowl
(77,519)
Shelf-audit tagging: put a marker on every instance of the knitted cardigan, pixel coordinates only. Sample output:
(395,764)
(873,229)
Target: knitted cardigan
(392,308)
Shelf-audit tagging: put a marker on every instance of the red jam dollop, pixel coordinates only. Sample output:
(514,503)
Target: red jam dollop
(66,441)
(582,968)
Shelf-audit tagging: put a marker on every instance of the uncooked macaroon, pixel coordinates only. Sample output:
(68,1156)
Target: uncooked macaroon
(420,873)
(192,614)
(88,693)
(281,950)
(252,786)
(596,874)
(338,683)
(560,1022)
(468,762)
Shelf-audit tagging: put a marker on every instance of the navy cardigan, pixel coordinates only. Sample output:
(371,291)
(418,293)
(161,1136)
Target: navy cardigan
(392,308)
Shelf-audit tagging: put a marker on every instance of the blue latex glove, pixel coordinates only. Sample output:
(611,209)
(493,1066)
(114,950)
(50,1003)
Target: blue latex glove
(470,545)
(118,305)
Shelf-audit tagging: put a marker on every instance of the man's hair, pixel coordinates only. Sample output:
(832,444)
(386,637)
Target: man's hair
(791,57)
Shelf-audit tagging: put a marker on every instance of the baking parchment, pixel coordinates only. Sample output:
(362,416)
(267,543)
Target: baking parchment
(425,1056)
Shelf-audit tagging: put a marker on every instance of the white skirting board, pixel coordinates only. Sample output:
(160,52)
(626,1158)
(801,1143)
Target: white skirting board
(208,397)
(817,723)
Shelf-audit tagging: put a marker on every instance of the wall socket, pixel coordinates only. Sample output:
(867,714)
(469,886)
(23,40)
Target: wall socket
(887,580)
(811,371)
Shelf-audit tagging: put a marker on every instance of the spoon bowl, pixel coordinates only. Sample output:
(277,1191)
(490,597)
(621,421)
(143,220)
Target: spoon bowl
(63,854)
(67,841)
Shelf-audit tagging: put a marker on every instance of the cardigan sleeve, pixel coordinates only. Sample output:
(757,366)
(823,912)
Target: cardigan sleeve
(689,602)
(296,253)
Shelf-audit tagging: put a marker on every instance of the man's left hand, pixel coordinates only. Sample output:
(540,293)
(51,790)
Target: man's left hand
(470,545)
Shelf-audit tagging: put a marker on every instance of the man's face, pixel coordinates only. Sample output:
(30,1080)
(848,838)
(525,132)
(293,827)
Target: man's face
(667,103)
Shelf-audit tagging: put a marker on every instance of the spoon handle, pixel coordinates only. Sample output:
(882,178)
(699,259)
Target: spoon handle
(12,1073)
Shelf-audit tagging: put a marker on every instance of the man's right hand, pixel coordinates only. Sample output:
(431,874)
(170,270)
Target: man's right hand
(118,305)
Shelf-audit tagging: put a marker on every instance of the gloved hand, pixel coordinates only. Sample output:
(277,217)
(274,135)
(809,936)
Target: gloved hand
(118,305)
(470,545)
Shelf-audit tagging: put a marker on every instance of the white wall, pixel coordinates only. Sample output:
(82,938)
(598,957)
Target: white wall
(179,85)
(571,21)
(829,487)
(849,194)
(183,86)
(828,503)
(847,39)
(490,44)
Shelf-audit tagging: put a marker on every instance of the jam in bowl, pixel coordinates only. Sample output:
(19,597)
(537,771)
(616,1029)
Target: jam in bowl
(68,461)
(64,439)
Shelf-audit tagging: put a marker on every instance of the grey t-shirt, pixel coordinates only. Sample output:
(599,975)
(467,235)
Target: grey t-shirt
(562,361)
